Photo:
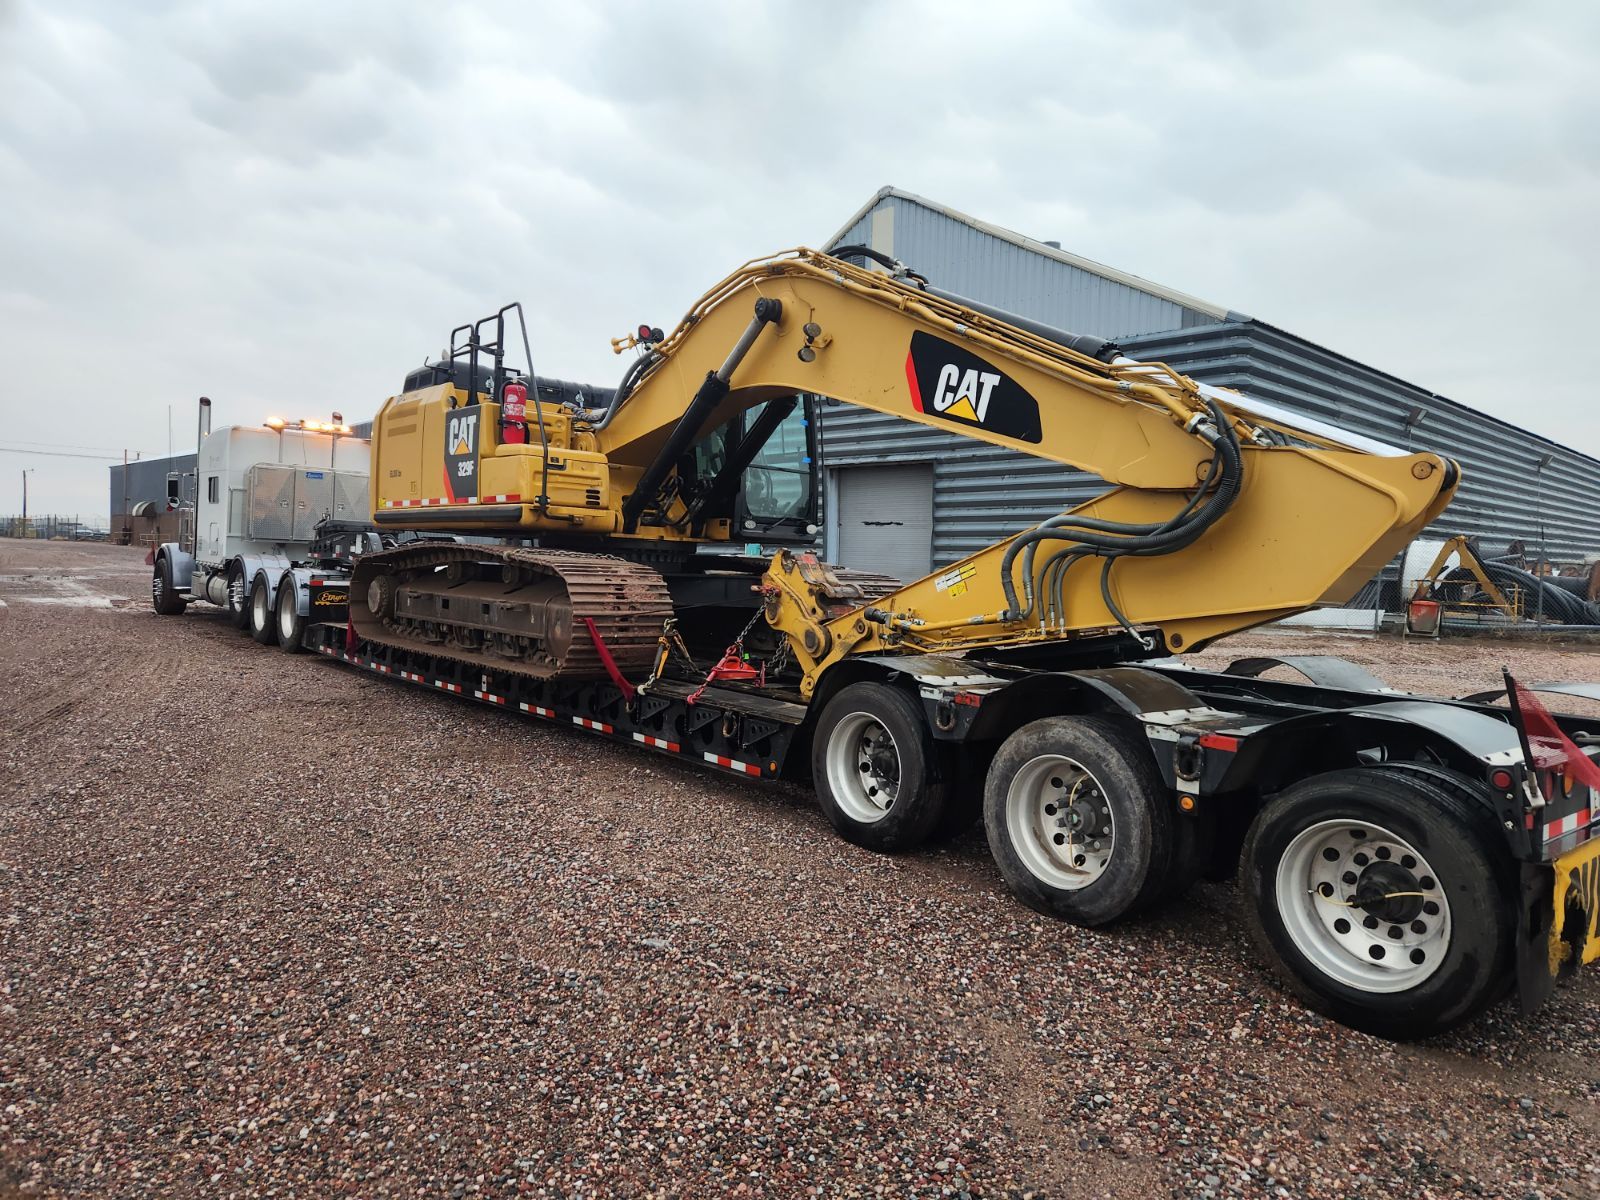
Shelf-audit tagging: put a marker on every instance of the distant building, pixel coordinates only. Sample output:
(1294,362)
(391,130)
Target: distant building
(904,497)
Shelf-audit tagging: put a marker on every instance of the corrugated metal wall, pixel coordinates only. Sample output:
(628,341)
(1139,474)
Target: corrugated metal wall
(960,258)
(983,493)
(147,480)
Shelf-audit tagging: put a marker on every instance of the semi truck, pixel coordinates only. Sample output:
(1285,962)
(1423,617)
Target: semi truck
(639,563)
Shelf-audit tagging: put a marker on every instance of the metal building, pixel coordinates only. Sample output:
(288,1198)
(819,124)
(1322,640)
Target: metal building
(902,497)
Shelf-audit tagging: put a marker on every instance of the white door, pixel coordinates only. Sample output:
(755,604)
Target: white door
(885,519)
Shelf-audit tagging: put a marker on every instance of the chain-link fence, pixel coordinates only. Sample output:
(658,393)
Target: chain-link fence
(54,526)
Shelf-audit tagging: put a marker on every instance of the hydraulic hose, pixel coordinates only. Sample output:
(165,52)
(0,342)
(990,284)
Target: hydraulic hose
(1543,595)
(1110,540)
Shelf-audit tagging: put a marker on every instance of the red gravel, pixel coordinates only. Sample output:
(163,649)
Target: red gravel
(272,927)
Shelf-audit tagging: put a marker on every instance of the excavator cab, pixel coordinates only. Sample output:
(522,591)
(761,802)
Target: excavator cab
(775,501)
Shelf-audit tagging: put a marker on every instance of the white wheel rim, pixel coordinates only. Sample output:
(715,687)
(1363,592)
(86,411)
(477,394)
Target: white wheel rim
(1060,822)
(1329,882)
(864,766)
(286,613)
(258,609)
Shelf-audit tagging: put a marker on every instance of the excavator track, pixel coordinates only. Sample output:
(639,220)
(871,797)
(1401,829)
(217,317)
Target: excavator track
(511,608)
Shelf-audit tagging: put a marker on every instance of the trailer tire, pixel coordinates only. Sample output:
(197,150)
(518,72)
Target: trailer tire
(164,596)
(291,625)
(1036,810)
(876,773)
(263,621)
(238,597)
(1430,950)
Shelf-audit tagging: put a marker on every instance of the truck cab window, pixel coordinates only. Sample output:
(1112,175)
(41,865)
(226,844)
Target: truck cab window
(212,494)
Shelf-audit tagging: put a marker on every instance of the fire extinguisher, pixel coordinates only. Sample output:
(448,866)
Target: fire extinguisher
(514,414)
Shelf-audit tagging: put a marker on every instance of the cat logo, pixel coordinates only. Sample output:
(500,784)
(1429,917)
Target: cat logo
(951,382)
(964,393)
(461,454)
(463,434)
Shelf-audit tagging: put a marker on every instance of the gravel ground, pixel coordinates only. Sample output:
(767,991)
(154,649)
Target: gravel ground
(275,928)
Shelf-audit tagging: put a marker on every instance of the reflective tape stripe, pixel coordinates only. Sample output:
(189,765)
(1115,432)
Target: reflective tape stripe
(732,764)
(441,502)
(658,743)
(1565,825)
(588,724)
(536,710)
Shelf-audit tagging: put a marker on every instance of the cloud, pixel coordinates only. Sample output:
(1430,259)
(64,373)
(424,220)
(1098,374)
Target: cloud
(286,207)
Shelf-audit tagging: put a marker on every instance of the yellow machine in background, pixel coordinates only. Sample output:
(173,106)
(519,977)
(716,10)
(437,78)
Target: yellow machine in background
(1220,514)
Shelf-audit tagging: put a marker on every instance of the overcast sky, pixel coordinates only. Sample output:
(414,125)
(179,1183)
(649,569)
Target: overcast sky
(285,206)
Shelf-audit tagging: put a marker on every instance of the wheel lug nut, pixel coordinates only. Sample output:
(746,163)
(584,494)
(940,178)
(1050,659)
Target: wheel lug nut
(1418,927)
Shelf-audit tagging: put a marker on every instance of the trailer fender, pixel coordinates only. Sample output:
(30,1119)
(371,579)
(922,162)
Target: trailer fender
(998,706)
(257,566)
(1584,691)
(298,578)
(1324,670)
(270,580)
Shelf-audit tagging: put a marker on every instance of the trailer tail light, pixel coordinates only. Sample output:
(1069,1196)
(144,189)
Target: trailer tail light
(514,414)
(1501,778)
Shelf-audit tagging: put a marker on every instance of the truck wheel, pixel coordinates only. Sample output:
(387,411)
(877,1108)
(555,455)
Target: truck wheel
(1078,818)
(872,758)
(1379,897)
(291,625)
(263,621)
(238,598)
(164,596)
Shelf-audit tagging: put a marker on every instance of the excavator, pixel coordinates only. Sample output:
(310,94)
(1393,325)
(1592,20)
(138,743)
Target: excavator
(599,557)
(1221,513)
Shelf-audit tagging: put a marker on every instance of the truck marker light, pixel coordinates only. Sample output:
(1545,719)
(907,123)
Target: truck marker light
(1187,803)
(1219,741)
(1501,779)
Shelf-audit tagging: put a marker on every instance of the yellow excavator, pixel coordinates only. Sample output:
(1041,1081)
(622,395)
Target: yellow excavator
(1220,515)
(594,556)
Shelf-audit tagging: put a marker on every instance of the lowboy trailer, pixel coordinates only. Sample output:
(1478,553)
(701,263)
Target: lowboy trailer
(1401,864)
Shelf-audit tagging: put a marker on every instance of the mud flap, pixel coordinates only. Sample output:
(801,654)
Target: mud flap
(1535,980)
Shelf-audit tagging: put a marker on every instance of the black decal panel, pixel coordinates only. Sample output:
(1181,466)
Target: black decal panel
(461,453)
(951,382)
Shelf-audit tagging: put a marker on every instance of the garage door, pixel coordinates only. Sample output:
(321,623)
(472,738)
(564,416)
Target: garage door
(885,519)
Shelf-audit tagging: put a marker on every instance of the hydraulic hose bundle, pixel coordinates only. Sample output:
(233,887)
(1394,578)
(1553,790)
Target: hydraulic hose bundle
(1545,596)
(1091,537)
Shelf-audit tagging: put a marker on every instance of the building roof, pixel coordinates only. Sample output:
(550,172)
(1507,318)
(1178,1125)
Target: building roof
(1219,312)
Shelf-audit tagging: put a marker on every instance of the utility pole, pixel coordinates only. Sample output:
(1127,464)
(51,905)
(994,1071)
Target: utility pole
(26,471)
